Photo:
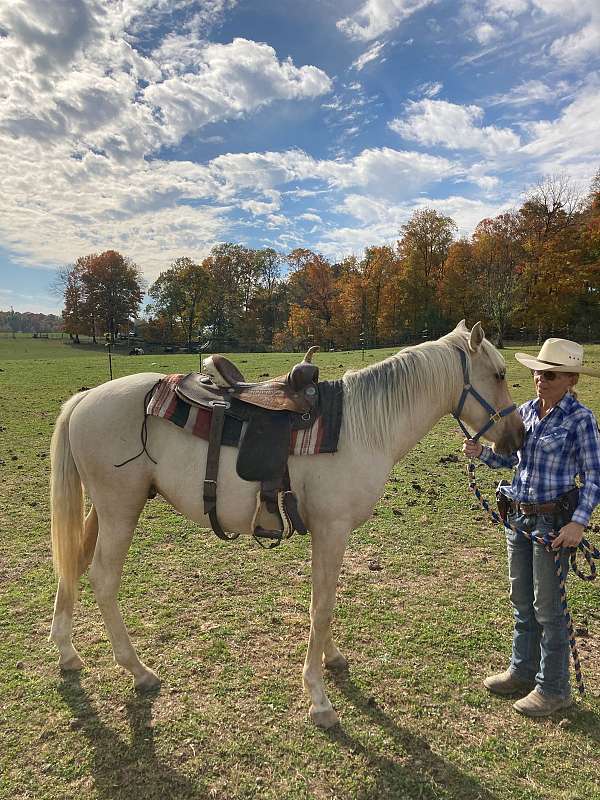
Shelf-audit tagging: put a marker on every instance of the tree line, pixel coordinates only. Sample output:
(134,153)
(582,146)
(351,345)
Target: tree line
(534,270)
(29,322)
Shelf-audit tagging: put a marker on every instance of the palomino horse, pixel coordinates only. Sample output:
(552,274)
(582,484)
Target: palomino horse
(388,408)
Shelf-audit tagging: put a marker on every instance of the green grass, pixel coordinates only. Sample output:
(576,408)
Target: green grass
(226,626)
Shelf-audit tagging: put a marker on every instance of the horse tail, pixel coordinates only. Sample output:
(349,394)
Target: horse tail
(66,501)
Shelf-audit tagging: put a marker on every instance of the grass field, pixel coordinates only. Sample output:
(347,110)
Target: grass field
(226,627)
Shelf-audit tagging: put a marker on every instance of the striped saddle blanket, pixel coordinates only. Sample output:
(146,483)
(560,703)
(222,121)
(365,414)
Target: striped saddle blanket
(321,437)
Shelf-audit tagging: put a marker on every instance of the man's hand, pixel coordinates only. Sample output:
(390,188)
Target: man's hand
(569,536)
(472,449)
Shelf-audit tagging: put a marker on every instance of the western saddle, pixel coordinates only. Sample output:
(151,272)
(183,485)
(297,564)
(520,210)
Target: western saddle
(269,411)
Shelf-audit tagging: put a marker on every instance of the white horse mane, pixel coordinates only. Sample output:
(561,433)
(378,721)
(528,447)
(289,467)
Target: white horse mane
(379,395)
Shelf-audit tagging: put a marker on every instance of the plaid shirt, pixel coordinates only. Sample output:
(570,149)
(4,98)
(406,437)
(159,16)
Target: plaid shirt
(563,444)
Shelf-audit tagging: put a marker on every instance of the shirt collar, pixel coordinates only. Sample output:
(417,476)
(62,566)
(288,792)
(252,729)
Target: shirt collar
(566,403)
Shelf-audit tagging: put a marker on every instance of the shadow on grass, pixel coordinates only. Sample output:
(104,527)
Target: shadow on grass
(586,722)
(417,773)
(122,769)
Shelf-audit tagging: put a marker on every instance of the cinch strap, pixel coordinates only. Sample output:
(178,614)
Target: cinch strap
(212,469)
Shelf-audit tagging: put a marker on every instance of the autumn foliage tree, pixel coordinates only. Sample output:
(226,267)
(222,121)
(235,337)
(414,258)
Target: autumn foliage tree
(498,254)
(102,292)
(423,248)
(179,296)
(536,269)
(459,291)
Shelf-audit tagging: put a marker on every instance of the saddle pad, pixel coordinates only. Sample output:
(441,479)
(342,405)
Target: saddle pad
(321,437)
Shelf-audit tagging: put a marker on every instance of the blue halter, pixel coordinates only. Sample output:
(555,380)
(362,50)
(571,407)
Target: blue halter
(495,416)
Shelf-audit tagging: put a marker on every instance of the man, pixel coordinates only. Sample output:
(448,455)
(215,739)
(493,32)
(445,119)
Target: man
(561,442)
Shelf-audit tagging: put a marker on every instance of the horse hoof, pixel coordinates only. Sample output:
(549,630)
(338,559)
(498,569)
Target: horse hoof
(149,682)
(338,664)
(71,664)
(324,719)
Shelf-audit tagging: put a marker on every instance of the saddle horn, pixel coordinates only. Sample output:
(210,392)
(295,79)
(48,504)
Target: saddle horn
(310,353)
(304,373)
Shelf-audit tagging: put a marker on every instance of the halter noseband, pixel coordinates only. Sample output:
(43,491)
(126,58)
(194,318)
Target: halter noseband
(495,416)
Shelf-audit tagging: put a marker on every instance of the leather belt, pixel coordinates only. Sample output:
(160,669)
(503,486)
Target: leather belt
(532,509)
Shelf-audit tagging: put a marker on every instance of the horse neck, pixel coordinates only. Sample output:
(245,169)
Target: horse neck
(392,405)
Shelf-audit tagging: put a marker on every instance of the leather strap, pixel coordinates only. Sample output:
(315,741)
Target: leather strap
(530,509)
(494,415)
(217,420)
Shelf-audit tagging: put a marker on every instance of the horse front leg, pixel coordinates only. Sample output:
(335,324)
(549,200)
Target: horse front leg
(333,659)
(328,546)
(61,632)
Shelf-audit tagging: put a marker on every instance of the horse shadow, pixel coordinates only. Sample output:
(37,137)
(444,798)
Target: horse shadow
(418,771)
(123,769)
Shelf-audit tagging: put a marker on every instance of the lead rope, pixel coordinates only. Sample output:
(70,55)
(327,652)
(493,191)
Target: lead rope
(590,554)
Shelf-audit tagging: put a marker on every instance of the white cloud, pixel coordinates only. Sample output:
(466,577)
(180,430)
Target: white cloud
(311,217)
(70,72)
(576,47)
(387,172)
(478,176)
(381,221)
(376,17)
(581,44)
(580,17)
(437,122)
(38,303)
(430,89)
(372,54)
(228,81)
(371,210)
(485,33)
(570,142)
(503,9)
(533,91)
(82,114)
(467,213)
(156,210)
(259,208)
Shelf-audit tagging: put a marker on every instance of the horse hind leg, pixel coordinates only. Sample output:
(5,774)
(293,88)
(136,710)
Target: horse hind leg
(114,538)
(61,632)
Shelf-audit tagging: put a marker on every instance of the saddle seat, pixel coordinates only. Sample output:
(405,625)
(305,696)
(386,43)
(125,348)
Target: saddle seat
(221,381)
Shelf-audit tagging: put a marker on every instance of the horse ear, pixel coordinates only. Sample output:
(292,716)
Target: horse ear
(476,337)
(462,326)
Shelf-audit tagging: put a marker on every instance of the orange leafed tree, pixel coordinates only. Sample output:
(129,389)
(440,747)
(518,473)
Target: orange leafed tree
(498,254)
(459,290)
(102,293)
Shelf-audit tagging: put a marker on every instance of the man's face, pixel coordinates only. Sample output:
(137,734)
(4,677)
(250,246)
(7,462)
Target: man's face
(551,386)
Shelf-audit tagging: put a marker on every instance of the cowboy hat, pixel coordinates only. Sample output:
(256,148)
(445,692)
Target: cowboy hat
(558,355)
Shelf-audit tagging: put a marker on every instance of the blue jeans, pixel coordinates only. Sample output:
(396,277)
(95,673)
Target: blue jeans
(540,649)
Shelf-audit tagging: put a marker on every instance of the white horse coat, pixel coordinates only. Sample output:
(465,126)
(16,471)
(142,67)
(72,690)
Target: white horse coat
(388,408)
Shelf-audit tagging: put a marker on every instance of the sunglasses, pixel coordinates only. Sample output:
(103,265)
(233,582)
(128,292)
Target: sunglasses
(546,375)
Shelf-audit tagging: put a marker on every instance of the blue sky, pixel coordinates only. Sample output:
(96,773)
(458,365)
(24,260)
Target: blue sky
(161,127)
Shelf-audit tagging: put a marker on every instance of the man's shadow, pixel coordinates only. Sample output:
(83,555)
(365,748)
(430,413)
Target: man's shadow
(122,769)
(418,772)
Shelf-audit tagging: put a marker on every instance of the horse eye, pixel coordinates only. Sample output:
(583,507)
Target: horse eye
(500,376)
